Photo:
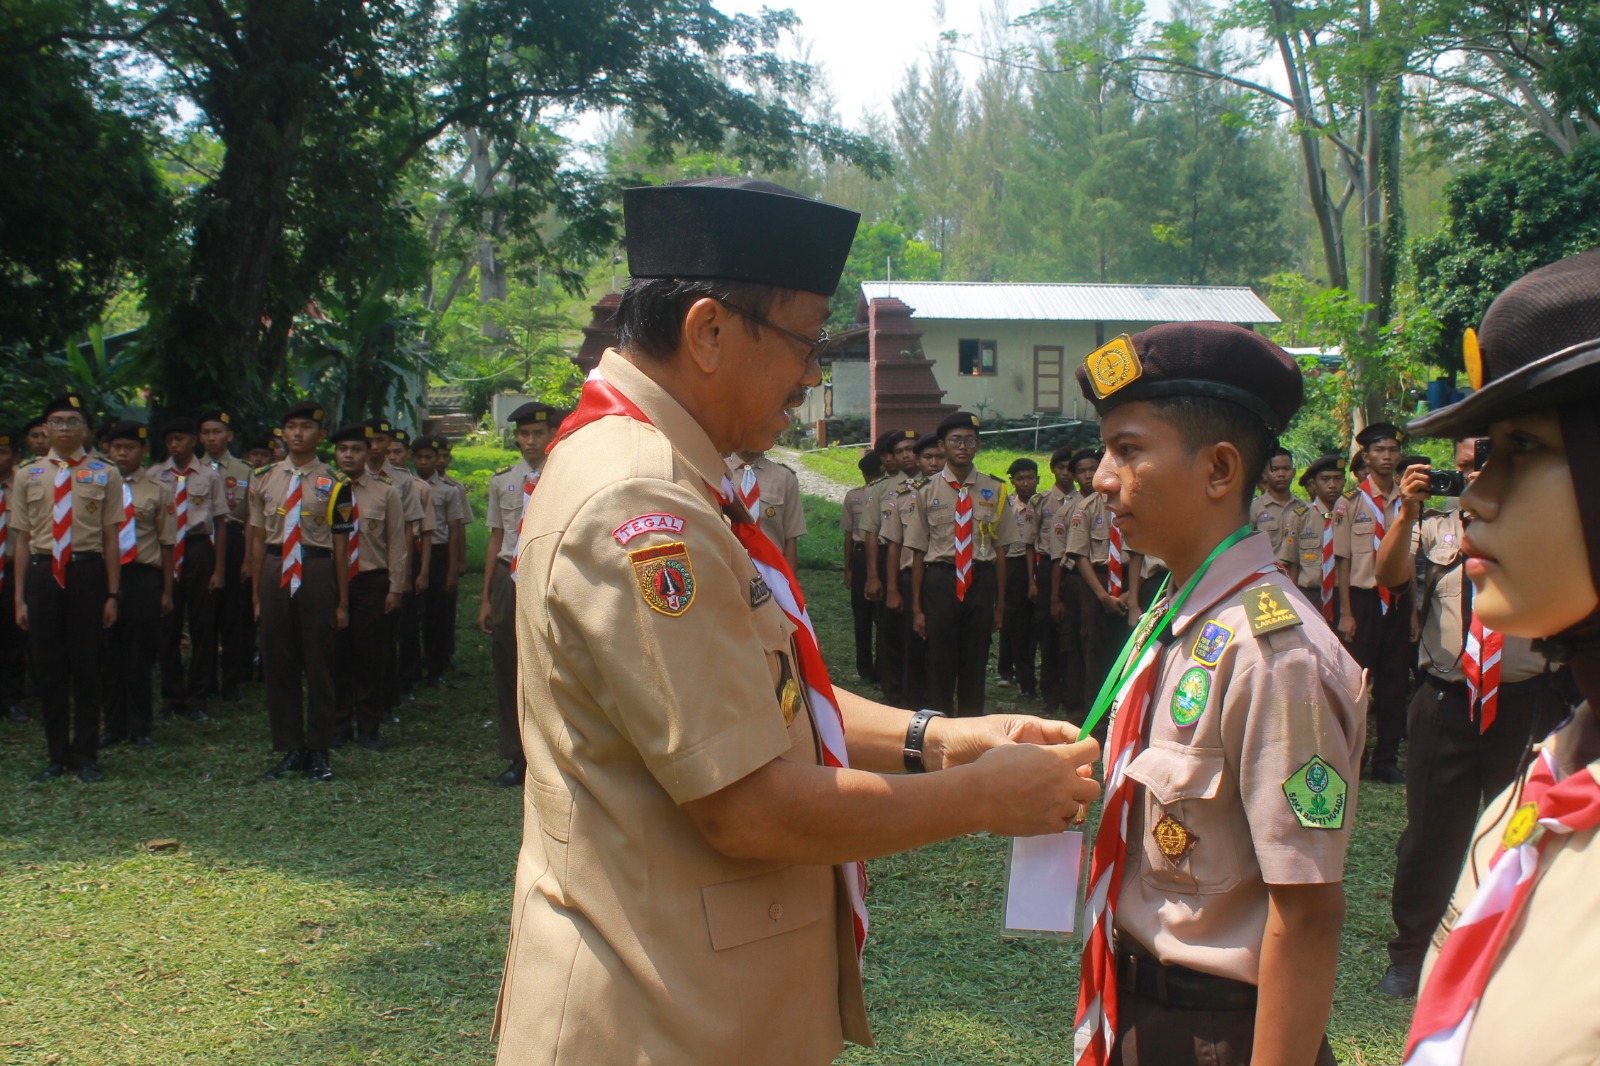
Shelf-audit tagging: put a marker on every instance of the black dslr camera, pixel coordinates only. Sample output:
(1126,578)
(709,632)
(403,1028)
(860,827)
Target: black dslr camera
(1454,482)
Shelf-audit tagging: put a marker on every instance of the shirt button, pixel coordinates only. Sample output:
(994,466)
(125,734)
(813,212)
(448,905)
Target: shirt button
(775,911)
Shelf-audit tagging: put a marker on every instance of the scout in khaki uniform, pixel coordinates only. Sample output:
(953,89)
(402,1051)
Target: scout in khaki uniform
(447,543)
(898,450)
(1510,978)
(13,641)
(1306,550)
(1054,505)
(1465,739)
(1215,894)
(637,569)
(1373,620)
(419,520)
(958,571)
(68,598)
(302,595)
(421,567)
(771,492)
(900,506)
(1102,575)
(235,628)
(855,563)
(510,500)
(377,559)
(280,451)
(145,539)
(1017,636)
(199,562)
(461,566)
(1273,510)
(37,436)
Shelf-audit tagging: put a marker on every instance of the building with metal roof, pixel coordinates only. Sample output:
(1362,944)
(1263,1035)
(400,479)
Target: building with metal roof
(1049,302)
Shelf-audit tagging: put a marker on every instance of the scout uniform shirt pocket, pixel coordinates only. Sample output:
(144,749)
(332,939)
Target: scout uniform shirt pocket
(754,908)
(1188,843)
(773,497)
(1362,531)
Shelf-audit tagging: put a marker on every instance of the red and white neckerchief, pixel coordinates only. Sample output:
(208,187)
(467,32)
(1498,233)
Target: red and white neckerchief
(600,399)
(1114,561)
(1328,567)
(5,526)
(181,503)
(1380,518)
(127,529)
(1480,661)
(530,481)
(291,536)
(61,519)
(1551,806)
(353,541)
(963,533)
(749,489)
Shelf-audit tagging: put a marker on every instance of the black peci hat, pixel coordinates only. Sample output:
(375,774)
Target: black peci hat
(1539,347)
(737,229)
(1022,463)
(1322,465)
(128,429)
(1380,431)
(929,440)
(534,412)
(355,431)
(1213,360)
(959,420)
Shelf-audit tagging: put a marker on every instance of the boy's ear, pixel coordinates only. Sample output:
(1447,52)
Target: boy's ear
(1225,471)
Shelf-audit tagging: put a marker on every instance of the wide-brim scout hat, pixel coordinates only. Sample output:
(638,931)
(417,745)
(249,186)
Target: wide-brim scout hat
(1538,347)
(1212,360)
(737,229)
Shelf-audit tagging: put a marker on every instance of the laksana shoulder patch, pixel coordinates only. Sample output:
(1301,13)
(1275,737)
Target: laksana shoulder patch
(1269,608)
(665,576)
(1317,794)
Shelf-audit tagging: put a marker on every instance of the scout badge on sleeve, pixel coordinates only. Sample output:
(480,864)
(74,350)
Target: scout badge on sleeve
(1189,700)
(665,577)
(1316,794)
(1208,646)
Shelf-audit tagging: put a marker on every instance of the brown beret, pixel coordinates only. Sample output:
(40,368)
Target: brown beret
(1213,360)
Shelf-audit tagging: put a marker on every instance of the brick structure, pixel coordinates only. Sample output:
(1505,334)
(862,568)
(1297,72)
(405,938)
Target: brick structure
(905,394)
(600,333)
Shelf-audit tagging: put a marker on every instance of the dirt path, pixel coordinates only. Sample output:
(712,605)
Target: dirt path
(811,482)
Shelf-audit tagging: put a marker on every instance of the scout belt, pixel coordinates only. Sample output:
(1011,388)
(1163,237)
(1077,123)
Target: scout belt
(306,551)
(1180,987)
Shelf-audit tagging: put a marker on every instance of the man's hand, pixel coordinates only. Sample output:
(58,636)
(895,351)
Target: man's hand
(919,624)
(451,580)
(892,598)
(1113,606)
(999,617)
(483,618)
(1414,490)
(1347,626)
(1058,610)
(422,582)
(22,617)
(956,741)
(341,618)
(166,603)
(1033,590)
(874,589)
(391,603)
(108,614)
(218,579)
(1037,789)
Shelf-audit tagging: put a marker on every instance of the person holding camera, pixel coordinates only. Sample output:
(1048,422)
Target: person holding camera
(1483,699)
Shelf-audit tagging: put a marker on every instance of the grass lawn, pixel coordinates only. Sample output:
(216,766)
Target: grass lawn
(365,921)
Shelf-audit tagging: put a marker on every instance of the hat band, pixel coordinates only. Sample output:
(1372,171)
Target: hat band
(1210,390)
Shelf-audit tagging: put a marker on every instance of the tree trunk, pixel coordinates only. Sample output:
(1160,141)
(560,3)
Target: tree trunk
(1320,196)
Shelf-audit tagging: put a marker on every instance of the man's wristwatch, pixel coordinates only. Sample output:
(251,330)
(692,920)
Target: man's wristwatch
(916,732)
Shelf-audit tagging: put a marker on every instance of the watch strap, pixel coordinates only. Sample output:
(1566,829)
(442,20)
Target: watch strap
(916,733)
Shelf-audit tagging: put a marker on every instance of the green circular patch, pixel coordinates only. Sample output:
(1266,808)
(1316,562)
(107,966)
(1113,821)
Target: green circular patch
(1189,701)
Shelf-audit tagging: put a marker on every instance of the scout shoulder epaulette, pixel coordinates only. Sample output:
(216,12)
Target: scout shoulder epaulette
(260,470)
(503,470)
(1352,494)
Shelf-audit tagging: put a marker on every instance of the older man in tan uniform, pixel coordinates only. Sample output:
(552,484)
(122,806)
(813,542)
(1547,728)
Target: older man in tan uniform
(683,896)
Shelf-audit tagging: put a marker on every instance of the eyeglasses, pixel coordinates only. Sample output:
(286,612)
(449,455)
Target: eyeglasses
(960,442)
(65,423)
(815,345)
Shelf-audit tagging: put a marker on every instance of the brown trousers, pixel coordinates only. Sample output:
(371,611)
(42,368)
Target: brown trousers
(503,649)
(1383,647)
(298,640)
(1149,1034)
(366,656)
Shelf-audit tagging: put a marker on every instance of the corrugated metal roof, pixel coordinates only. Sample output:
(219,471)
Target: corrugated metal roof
(1038,302)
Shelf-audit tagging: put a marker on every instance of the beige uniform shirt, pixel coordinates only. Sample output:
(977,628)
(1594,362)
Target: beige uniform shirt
(1271,517)
(96,502)
(270,491)
(235,475)
(449,505)
(935,532)
(207,496)
(1538,1006)
(383,544)
(1055,509)
(1354,527)
(902,504)
(850,513)
(1302,545)
(1211,824)
(1089,533)
(1444,626)
(782,512)
(407,485)
(154,525)
(632,939)
(873,508)
(1026,516)
(506,495)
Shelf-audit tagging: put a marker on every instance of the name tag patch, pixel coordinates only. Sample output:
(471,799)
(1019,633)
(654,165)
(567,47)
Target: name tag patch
(655,522)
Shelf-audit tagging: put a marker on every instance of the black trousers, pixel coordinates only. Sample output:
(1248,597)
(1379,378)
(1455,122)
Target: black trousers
(13,641)
(1102,637)
(130,654)
(1047,635)
(410,626)
(1452,770)
(1383,647)
(1017,638)
(1149,1034)
(914,687)
(438,613)
(861,611)
(66,634)
(298,650)
(503,649)
(193,603)
(891,626)
(958,636)
(366,656)
(235,617)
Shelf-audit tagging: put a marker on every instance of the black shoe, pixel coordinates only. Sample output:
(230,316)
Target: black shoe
(1401,980)
(1389,775)
(50,773)
(370,741)
(407,697)
(512,778)
(110,740)
(319,770)
(16,714)
(198,715)
(390,718)
(145,742)
(291,763)
(90,774)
